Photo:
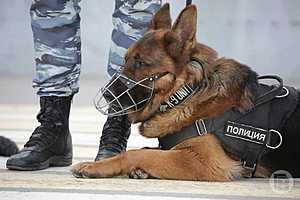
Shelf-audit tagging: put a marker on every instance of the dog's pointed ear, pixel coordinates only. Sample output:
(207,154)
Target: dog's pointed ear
(161,19)
(173,44)
(185,25)
(181,39)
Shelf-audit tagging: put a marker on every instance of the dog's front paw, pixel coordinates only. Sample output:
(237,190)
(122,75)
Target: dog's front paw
(86,170)
(147,130)
(153,129)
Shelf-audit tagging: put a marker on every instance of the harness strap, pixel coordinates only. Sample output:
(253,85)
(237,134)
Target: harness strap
(262,138)
(204,126)
(224,126)
(196,129)
(268,96)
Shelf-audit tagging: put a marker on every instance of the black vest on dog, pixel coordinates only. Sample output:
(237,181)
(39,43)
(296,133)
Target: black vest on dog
(261,134)
(252,135)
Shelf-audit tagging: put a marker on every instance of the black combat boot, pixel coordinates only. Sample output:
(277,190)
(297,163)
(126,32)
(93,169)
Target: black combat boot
(115,134)
(50,144)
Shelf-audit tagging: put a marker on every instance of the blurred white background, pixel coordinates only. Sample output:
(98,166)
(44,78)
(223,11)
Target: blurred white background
(263,34)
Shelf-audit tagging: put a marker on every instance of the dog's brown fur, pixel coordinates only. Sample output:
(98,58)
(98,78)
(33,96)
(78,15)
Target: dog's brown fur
(166,48)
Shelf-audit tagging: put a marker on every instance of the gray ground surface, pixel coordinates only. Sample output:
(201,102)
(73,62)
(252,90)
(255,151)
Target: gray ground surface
(263,34)
(17,122)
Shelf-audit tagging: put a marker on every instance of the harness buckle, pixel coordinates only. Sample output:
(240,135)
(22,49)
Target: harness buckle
(201,127)
(280,139)
(287,92)
(250,168)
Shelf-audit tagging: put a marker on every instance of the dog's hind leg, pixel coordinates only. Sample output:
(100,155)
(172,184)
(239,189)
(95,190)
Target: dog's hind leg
(177,164)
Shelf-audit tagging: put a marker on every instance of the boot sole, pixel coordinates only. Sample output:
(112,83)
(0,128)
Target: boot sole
(55,161)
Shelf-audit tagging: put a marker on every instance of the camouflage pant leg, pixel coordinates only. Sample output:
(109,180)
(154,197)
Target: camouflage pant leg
(131,19)
(56,31)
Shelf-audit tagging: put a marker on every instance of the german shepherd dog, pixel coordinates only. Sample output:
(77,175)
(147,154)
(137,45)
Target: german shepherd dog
(168,49)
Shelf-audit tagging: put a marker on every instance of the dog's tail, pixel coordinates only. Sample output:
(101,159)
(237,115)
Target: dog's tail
(7,147)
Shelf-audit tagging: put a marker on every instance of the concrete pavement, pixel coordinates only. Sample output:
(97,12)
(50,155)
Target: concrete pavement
(17,122)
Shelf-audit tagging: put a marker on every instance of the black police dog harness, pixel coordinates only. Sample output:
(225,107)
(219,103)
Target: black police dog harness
(248,136)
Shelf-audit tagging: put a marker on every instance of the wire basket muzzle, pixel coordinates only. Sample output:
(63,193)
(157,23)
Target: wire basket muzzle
(123,95)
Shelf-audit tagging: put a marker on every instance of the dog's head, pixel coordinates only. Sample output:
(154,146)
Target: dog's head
(155,66)
(163,48)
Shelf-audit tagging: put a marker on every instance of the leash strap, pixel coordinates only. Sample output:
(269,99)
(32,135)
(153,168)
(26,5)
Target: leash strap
(188,2)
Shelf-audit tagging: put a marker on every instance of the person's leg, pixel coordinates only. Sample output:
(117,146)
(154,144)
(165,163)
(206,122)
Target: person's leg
(131,19)
(56,33)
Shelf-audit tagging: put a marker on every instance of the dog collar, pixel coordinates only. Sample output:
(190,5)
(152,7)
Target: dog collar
(184,92)
(178,97)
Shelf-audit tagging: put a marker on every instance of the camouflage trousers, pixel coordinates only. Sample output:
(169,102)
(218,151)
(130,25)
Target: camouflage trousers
(56,32)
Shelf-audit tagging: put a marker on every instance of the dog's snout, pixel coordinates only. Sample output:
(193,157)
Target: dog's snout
(123,95)
(108,96)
